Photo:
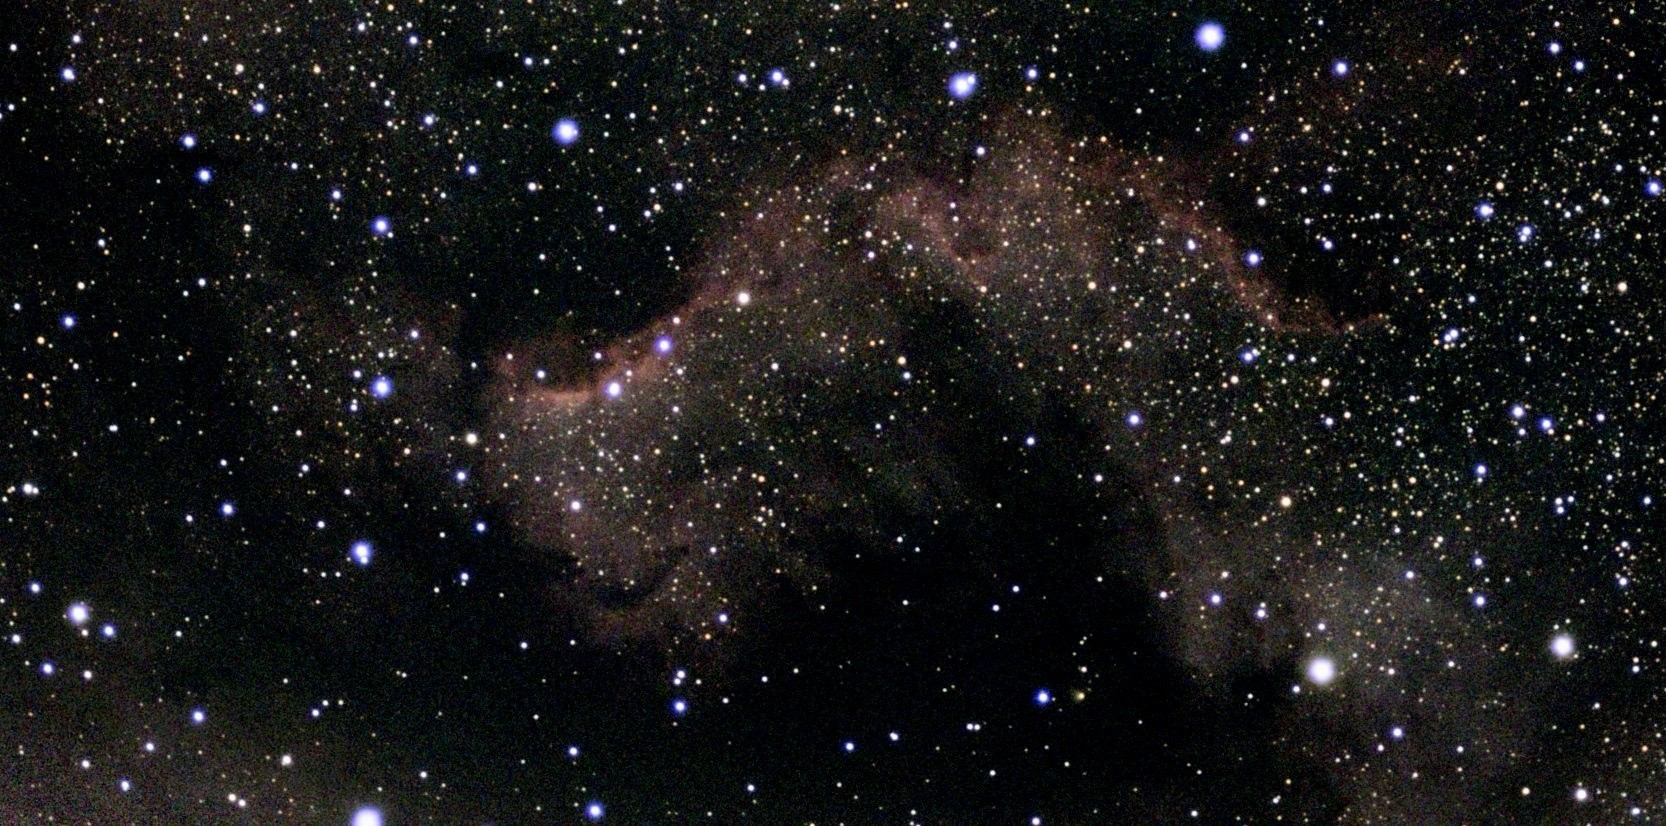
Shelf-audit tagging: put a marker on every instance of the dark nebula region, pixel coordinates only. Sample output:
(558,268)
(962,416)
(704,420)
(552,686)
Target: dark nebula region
(761,413)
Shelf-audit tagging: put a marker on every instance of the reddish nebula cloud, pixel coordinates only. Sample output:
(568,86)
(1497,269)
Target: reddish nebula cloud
(841,333)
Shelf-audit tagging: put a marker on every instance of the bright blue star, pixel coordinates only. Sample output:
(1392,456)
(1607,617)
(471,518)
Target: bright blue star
(361,552)
(1252,258)
(204,174)
(594,811)
(381,226)
(1210,36)
(188,141)
(381,387)
(962,85)
(565,132)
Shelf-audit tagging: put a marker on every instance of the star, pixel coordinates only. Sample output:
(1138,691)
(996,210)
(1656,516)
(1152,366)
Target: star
(1562,646)
(565,131)
(1210,36)
(1321,671)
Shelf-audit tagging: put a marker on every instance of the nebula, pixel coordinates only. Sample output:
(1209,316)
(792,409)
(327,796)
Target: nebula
(847,340)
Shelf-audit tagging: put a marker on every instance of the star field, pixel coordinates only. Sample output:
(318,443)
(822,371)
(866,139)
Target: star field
(851,413)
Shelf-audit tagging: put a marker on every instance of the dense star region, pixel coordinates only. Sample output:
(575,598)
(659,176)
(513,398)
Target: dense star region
(849,413)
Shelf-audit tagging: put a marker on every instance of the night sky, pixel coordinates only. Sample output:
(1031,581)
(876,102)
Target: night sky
(770,412)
